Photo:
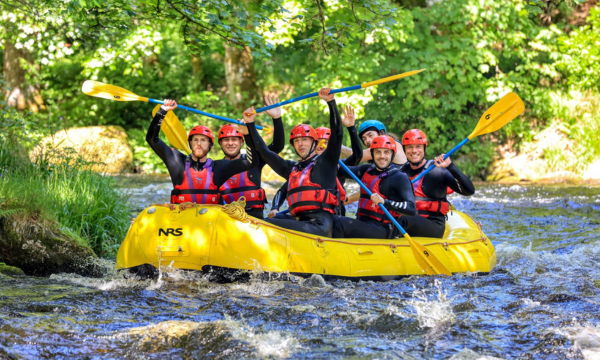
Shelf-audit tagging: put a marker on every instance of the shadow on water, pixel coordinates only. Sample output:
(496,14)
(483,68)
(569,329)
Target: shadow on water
(542,301)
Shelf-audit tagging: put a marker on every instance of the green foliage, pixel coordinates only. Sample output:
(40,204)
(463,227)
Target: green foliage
(582,54)
(59,190)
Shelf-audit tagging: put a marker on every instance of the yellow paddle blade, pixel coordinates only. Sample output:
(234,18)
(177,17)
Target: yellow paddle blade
(110,92)
(174,131)
(500,114)
(390,78)
(425,258)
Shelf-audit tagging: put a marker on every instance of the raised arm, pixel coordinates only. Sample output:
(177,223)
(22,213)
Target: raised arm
(281,166)
(348,121)
(278,142)
(172,158)
(331,155)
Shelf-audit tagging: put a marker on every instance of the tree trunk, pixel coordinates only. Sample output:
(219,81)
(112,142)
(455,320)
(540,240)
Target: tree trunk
(241,77)
(19,94)
(198,71)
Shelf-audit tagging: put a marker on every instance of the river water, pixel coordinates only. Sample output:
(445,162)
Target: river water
(541,302)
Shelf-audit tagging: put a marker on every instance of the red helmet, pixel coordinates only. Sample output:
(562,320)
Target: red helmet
(303,130)
(323,133)
(414,137)
(202,130)
(229,130)
(383,142)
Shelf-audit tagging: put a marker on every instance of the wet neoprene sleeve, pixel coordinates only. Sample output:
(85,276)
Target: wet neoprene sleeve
(279,197)
(355,144)
(278,142)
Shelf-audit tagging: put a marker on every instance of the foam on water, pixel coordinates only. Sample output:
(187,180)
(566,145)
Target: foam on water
(586,339)
(433,307)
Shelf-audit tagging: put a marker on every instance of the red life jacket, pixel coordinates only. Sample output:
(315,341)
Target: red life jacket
(366,207)
(425,206)
(239,185)
(196,183)
(304,195)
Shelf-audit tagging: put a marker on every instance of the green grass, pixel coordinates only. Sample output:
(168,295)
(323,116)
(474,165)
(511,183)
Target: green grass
(578,117)
(58,190)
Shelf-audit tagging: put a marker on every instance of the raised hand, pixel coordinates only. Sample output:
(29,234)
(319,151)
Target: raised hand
(169,105)
(349,116)
(241,129)
(249,115)
(274,112)
(440,162)
(325,95)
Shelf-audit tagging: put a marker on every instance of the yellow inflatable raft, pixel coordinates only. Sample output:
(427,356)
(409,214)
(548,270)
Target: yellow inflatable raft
(209,237)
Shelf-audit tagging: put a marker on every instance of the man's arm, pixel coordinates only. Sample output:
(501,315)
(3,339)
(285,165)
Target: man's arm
(402,197)
(278,142)
(281,166)
(348,121)
(279,197)
(454,178)
(173,159)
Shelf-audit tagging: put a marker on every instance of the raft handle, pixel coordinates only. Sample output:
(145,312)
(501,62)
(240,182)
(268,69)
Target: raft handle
(393,248)
(365,252)
(320,242)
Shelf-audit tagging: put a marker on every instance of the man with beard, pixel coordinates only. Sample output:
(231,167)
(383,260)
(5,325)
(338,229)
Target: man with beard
(195,177)
(430,190)
(323,135)
(248,183)
(389,186)
(312,189)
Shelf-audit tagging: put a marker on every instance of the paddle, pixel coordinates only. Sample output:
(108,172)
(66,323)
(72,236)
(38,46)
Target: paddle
(349,88)
(500,114)
(430,264)
(111,92)
(174,131)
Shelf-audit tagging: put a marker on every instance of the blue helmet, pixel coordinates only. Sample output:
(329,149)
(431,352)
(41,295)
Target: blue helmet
(371,125)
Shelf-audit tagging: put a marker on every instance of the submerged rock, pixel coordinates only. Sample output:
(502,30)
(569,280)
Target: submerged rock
(107,146)
(39,251)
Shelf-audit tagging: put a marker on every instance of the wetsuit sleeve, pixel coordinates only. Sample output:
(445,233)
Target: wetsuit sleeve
(334,147)
(278,142)
(173,159)
(402,197)
(225,169)
(357,153)
(457,181)
(281,166)
(280,197)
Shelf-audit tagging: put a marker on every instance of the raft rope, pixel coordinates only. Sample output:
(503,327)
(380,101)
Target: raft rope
(237,209)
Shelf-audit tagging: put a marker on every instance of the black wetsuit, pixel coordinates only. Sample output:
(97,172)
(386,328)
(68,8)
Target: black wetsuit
(435,185)
(255,173)
(399,198)
(324,173)
(175,160)
(352,160)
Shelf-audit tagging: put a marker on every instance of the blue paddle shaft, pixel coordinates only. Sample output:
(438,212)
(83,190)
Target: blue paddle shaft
(445,157)
(349,88)
(365,188)
(203,113)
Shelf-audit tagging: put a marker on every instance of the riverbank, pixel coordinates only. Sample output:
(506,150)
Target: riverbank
(56,213)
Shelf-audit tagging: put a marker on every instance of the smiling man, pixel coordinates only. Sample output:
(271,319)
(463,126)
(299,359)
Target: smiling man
(248,183)
(430,190)
(196,178)
(389,186)
(313,186)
